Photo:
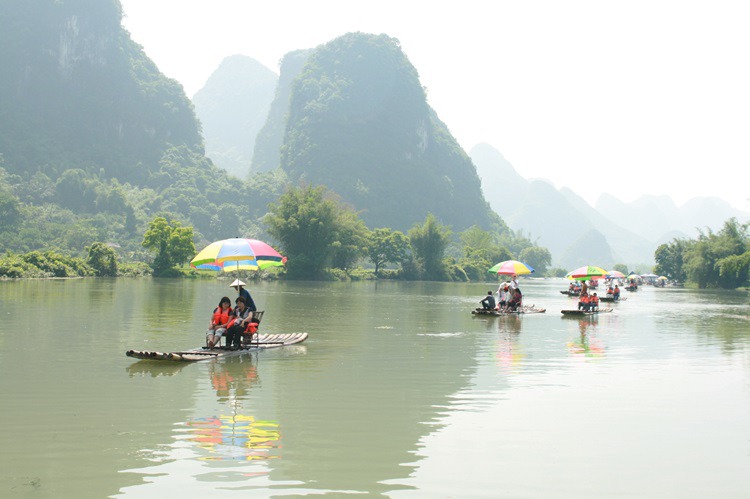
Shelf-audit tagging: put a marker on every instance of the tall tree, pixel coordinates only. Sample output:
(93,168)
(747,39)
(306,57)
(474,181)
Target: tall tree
(481,249)
(102,259)
(428,243)
(351,240)
(172,243)
(311,224)
(669,258)
(536,256)
(387,246)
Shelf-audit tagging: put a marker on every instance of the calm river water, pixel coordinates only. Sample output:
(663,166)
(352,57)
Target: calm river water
(398,392)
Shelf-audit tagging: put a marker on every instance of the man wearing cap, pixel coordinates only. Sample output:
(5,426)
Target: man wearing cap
(238,285)
(513,284)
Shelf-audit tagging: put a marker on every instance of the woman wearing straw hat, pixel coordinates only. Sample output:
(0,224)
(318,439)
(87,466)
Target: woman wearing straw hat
(239,286)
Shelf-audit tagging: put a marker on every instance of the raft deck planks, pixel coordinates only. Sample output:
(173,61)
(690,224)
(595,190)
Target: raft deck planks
(496,313)
(581,312)
(263,341)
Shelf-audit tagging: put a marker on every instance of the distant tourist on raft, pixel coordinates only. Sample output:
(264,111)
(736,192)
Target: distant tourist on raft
(516,301)
(488,302)
(594,302)
(583,301)
(503,297)
(514,283)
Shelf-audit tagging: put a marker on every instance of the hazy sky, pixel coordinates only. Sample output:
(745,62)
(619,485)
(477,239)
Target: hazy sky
(629,98)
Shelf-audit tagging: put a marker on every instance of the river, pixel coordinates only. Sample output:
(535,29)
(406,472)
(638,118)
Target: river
(398,392)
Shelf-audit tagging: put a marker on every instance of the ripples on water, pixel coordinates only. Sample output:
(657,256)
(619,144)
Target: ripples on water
(399,391)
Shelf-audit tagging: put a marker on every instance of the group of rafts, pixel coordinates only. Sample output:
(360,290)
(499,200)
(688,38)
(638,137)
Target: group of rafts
(589,300)
(588,304)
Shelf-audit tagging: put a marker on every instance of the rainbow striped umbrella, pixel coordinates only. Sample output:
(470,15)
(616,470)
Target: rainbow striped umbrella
(510,267)
(240,265)
(237,254)
(586,273)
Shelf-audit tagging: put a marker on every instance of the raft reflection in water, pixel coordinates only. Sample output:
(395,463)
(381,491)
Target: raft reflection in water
(235,436)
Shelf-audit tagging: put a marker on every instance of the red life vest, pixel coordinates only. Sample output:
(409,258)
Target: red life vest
(595,300)
(221,316)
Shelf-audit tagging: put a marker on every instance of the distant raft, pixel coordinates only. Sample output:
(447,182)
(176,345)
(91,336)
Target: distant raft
(260,342)
(586,312)
(526,309)
(610,299)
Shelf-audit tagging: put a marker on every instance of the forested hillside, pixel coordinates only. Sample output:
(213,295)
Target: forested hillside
(358,122)
(94,140)
(79,93)
(267,153)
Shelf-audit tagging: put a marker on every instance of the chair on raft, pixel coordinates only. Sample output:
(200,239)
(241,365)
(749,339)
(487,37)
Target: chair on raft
(252,329)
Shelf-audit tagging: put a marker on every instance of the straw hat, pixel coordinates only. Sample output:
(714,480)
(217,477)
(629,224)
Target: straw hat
(237,283)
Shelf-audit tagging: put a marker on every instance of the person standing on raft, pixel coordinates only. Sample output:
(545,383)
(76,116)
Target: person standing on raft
(245,294)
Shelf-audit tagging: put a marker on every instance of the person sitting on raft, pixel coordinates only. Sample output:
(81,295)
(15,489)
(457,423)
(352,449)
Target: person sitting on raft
(488,302)
(583,302)
(616,292)
(594,303)
(242,314)
(219,321)
(516,301)
(503,297)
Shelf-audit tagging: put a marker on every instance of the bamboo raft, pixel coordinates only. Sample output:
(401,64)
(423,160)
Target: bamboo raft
(526,309)
(581,312)
(609,299)
(260,342)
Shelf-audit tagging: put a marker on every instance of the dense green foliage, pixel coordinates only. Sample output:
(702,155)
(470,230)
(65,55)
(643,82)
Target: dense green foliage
(312,225)
(172,243)
(620,267)
(81,208)
(314,228)
(539,258)
(103,260)
(387,246)
(428,243)
(713,260)
(43,264)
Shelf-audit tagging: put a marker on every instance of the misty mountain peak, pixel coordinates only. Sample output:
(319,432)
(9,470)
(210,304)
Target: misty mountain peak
(232,107)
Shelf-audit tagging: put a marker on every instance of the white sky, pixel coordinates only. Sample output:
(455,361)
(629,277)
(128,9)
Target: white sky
(630,98)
